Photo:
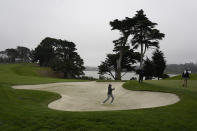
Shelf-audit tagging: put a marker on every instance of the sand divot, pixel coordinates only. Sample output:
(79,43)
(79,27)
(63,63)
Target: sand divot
(87,96)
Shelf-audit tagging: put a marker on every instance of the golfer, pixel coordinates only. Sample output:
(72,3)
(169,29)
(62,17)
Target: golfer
(109,94)
(185,77)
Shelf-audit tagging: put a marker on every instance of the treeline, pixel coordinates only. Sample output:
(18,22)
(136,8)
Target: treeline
(60,55)
(179,68)
(20,54)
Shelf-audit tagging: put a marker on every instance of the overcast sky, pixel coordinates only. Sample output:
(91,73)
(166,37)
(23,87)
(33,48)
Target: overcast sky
(86,23)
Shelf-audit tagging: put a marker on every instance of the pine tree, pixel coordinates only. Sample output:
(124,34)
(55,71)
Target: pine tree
(159,63)
(148,69)
(145,35)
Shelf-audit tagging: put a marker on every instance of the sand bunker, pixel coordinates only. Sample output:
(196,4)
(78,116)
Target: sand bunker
(87,96)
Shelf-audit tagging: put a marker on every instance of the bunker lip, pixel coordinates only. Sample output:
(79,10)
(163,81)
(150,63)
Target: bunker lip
(88,96)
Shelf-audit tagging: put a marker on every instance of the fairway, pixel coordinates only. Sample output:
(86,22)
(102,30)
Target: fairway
(28,109)
(87,96)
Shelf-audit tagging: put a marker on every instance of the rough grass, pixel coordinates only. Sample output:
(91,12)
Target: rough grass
(25,110)
(14,74)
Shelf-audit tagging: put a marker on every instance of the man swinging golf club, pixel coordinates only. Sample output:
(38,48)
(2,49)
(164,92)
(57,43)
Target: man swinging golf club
(109,94)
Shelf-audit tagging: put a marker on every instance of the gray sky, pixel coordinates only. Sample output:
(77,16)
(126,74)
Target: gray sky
(86,23)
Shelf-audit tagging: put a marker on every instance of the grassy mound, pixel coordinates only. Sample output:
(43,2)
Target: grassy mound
(14,74)
(27,110)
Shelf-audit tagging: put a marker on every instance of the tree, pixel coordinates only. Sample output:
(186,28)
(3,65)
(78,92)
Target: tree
(123,26)
(3,57)
(110,63)
(12,54)
(145,35)
(61,56)
(159,63)
(24,53)
(108,66)
(148,69)
(66,60)
(44,52)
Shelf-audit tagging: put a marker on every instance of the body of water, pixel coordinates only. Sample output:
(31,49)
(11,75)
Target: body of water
(127,76)
(95,74)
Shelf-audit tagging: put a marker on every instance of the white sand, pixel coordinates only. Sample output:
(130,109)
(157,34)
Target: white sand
(87,96)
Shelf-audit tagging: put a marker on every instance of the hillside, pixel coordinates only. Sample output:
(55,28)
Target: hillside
(179,68)
(178,77)
(27,73)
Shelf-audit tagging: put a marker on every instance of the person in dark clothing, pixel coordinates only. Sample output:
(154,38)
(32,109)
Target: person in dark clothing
(109,94)
(141,75)
(185,77)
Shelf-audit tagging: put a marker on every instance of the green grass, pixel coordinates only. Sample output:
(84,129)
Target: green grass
(15,74)
(25,110)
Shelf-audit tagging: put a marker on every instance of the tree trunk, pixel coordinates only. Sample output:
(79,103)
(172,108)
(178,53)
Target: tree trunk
(67,75)
(141,64)
(116,72)
(141,57)
(119,67)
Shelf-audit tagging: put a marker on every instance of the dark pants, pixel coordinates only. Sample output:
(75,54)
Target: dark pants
(185,81)
(140,78)
(108,96)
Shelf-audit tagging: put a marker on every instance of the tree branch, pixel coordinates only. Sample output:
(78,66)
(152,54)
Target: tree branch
(111,74)
(124,74)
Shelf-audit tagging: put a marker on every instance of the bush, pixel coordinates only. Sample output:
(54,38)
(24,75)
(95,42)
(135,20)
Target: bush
(164,76)
(133,78)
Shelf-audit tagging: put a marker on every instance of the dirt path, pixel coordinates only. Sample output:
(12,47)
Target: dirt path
(87,96)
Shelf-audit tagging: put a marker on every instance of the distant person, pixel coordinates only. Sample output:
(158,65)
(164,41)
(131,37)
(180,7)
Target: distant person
(185,77)
(141,75)
(109,94)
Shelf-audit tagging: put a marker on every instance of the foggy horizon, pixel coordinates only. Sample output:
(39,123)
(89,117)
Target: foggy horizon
(86,23)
